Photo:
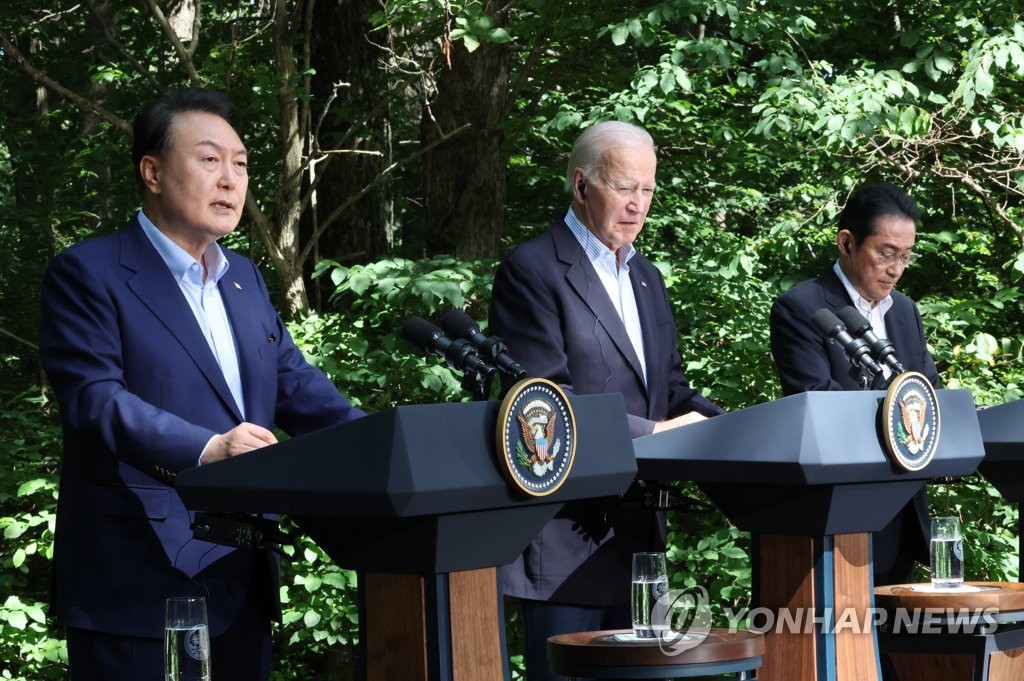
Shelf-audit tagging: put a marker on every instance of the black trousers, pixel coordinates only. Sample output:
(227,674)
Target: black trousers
(542,620)
(242,653)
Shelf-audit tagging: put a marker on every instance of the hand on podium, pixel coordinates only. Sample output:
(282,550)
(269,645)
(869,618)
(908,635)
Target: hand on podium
(243,438)
(685,419)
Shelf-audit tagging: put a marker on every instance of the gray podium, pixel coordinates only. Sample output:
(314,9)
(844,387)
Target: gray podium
(807,474)
(1002,429)
(414,498)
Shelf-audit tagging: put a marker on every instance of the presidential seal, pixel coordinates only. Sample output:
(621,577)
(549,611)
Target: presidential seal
(536,436)
(910,421)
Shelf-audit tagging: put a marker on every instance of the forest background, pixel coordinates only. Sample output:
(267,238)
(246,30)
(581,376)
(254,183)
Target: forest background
(398,148)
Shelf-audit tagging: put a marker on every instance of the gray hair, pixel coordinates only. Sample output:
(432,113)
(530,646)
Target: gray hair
(589,150)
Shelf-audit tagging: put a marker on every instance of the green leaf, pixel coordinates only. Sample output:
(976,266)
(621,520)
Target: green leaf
(335,579)
(983,83)
(1017,56)
(17,619)
(668,82)
(500,36)
(985,347)
(619,34)
(33,486)
(943,62)
(358,282)
(311,618)
(15,530)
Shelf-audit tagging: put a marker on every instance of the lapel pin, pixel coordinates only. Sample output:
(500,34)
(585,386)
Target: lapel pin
(239,286)
(642,283)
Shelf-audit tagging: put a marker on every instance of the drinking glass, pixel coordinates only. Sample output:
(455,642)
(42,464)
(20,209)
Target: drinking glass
(186,640)
(650,583)
(947,553)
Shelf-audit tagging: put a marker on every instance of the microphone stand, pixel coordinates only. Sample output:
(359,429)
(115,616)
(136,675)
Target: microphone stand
(880,382)
(491,351)
(478,383)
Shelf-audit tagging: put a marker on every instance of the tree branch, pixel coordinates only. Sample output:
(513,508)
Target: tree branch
(307,249)
(179,49)
(49,83)
(19,339)
(119,46)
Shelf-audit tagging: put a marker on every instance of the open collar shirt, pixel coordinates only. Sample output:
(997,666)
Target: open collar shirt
(613,271)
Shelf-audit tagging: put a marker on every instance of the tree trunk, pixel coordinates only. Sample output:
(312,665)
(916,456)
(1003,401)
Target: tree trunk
(348,77)
(464,178)
(286,252)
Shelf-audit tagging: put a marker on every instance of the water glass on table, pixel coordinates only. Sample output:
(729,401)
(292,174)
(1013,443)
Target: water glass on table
(186,640)
(650,583)
(947,553)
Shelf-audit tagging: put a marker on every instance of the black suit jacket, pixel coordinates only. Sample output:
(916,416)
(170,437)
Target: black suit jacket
(552,310)
(807,361)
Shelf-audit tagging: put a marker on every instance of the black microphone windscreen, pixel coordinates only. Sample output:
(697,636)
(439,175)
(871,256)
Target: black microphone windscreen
(854,320)
(421,333)
(458,324)
(827,322)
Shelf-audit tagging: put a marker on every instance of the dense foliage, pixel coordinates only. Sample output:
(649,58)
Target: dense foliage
(767,114)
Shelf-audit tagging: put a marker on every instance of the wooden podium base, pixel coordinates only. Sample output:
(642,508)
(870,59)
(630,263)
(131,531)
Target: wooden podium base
(445,627)
(819,603)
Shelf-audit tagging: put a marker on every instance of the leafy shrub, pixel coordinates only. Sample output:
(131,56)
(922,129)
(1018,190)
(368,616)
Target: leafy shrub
(29,647)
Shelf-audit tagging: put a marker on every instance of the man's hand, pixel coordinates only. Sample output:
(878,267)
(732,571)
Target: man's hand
(243,438)
(685,419)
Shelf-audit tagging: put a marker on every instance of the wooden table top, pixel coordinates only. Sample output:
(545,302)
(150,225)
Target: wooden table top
(1002,596)
(616,648)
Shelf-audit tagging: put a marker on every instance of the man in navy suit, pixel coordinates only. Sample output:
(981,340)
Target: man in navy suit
(876,236)
(165,353)
(579,306)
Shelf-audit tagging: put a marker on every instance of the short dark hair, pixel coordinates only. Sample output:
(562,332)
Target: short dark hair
(152,128)
(872,202)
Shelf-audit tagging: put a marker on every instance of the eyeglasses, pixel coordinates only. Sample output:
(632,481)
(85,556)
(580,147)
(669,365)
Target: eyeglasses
(627,190)
(888,258)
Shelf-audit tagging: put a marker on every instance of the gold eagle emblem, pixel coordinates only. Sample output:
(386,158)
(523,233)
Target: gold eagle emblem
(913,417)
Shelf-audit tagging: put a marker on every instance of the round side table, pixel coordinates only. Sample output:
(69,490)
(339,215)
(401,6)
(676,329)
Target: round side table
(614,654)
(954,634)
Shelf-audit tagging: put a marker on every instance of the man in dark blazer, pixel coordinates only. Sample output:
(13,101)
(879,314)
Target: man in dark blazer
(877,232)
(165,353)
(579,306)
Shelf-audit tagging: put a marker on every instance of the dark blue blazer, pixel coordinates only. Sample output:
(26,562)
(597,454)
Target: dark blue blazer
(807,361)
(140,394)
(551,308)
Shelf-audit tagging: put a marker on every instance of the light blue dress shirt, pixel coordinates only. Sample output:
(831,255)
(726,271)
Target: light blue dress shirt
(204,300)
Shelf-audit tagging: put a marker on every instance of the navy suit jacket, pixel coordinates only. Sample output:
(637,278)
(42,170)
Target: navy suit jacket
(140,394)
(554,313)
(807,361)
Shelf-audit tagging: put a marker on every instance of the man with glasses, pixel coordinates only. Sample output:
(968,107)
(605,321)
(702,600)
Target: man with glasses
(877,232)
(578,305)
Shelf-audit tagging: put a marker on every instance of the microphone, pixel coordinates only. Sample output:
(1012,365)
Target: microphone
(856,350)
(458,324)
(459,354)
(882,348)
